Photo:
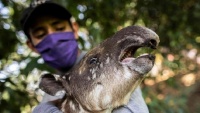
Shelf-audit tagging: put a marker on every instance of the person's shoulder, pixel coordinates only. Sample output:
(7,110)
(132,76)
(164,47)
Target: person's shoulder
(82,54)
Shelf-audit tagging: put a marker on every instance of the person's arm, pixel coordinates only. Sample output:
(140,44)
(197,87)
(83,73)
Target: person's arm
(136,104)
(48,104)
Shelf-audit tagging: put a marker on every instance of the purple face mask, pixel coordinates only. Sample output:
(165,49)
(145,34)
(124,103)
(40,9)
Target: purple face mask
(59,50)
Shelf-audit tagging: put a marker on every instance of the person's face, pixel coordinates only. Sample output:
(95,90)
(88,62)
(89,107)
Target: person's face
(46,25)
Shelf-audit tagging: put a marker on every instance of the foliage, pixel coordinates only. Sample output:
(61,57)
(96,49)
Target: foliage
(168,87)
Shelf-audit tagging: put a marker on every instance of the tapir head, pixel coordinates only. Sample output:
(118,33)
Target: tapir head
(109,73)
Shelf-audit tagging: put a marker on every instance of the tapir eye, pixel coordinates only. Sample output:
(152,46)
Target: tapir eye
(93,60)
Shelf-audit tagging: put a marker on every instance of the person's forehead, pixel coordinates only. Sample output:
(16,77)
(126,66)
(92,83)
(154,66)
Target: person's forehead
(45,20)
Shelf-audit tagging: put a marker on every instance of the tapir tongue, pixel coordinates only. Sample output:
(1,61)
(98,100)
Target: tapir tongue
(127,60)
(141,64)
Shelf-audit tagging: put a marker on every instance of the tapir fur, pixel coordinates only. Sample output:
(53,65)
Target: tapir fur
(107,75)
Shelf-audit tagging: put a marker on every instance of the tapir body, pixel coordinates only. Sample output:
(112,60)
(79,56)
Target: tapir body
(107,75)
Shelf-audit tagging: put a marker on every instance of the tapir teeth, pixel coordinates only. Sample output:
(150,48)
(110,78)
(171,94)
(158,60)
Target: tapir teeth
(127,54)
(143,54)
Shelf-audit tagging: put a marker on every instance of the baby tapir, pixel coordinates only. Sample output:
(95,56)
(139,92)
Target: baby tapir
(107,75)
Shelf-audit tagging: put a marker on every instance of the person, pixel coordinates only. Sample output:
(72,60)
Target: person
(52,33)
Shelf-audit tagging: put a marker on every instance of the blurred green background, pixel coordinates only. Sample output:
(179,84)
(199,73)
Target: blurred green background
(173,85)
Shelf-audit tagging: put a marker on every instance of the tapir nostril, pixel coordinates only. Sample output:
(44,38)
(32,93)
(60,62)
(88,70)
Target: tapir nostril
(153,43)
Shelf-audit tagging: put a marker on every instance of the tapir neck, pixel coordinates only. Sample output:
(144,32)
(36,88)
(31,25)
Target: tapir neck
(70,105)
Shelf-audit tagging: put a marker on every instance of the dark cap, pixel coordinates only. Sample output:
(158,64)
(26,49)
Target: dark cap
(39,8)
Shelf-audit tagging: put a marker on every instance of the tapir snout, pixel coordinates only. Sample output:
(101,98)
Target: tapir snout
(107,75)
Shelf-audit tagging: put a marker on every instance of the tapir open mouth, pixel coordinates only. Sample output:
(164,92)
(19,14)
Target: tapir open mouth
(138,51)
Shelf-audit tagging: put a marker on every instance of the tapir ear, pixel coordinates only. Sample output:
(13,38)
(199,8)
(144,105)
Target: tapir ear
(51,84)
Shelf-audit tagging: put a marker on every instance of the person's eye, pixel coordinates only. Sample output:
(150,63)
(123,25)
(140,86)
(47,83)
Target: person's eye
(60,28)
(40,35)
